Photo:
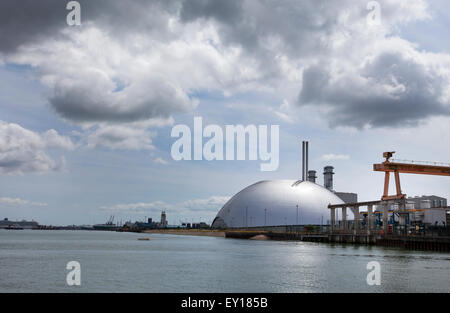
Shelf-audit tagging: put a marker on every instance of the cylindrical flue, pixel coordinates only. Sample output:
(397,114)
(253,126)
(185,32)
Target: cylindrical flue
(305,159)
(328,177)
(312,176)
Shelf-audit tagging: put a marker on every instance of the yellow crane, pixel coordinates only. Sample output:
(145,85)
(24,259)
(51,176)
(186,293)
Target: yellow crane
(410,168)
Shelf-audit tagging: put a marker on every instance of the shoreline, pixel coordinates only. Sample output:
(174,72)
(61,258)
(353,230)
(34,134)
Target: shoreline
(190,232)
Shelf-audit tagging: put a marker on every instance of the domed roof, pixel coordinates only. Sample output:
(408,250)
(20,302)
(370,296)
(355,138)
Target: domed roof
(274,203)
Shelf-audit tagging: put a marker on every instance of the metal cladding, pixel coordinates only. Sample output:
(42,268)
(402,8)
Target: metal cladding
(328,177)
(277,203)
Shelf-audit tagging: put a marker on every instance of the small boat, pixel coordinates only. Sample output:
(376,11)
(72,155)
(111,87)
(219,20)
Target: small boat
(144,239)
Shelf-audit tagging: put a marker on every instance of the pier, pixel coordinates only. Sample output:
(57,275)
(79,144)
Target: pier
(438,244)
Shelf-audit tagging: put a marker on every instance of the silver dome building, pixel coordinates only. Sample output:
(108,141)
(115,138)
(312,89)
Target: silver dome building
(277,203)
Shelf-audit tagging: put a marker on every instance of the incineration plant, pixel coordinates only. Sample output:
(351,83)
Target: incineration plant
(304,202)
(283,202)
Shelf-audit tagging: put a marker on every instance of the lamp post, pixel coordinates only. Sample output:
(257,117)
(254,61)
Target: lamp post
(246,216)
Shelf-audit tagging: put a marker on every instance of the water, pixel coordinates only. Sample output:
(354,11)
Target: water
(35,261)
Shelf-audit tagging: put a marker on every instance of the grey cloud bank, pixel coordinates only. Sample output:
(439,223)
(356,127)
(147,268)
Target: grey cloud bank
(140,60)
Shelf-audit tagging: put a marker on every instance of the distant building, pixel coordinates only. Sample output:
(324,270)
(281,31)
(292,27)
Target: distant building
(435,201)
(428,210)
(430,216)
(185,225)
(201,225)
(143,226)
(348,197)
(163,223)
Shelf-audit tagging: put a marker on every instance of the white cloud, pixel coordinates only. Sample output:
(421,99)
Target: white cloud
(17,202)
(285,112)
(53,140)
(211,204)
(335,157)
(160,161)
(120,137)
(23,151)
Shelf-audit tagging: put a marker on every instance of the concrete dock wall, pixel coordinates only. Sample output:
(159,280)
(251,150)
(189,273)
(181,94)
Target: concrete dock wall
(439,244)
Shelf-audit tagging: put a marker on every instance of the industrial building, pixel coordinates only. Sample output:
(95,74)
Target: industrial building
(427,210)
(283,202)
(395,214)
(146,225)
(435,201)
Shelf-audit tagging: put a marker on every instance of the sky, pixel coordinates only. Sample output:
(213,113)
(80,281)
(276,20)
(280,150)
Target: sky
(87,111)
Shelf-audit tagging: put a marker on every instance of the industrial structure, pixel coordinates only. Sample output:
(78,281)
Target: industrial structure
(275,203)
(146,225)
(291,210)
(389,167)
(283,202)
(394,214)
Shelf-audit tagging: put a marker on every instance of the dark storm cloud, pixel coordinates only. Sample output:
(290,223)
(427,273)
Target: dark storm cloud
(268,29)
(27,21)
(224,11)
(391,91)
(302,27)
(85,103)
(83,90)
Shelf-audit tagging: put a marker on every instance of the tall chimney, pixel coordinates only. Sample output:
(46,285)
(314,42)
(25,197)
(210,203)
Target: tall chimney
(312,176)
(328,177)
(305,159)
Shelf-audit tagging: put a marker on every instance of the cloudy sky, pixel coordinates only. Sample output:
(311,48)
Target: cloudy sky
(86,112)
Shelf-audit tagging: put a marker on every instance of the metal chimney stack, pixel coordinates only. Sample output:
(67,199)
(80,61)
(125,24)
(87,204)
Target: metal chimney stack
(312,176)
(305,159)
(328,177)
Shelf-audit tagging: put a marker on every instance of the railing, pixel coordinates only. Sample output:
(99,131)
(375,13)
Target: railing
(421,162)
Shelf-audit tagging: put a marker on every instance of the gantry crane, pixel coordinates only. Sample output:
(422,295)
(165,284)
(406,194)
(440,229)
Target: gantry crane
(393,167)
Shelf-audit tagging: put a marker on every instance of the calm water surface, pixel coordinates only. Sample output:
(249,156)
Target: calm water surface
(35,261)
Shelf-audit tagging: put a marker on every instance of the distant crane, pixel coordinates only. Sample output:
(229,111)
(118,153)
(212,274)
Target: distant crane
(411,168)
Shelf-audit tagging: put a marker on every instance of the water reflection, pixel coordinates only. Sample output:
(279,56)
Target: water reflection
(34,261)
